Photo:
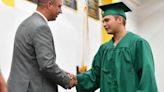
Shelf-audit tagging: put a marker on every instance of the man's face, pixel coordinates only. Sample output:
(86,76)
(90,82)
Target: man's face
(110,24)
(55,9)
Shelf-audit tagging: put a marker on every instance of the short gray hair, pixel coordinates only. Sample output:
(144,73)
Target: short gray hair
(43,2)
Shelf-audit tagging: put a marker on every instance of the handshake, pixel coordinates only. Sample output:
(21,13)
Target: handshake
(73,81)
(73,77)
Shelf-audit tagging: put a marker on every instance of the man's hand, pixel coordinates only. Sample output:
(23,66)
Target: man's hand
(73,81)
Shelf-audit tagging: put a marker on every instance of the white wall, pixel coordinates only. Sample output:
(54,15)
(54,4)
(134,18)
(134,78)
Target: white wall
(151,25)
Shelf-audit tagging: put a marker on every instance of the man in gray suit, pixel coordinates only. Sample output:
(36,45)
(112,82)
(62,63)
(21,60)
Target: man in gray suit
(33,65)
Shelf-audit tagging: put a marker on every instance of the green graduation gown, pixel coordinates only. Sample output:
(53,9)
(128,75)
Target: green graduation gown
(127,67)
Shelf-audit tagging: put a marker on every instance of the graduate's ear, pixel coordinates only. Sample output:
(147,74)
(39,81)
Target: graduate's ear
(120,19)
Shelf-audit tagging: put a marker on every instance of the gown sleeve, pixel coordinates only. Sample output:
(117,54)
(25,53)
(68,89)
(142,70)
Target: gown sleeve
(145,67)
(89,81)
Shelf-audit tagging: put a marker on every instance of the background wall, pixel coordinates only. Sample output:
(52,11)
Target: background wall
(151,25)
(68,32)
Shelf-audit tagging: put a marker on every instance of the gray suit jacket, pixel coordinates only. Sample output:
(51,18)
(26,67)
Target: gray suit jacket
(33,65)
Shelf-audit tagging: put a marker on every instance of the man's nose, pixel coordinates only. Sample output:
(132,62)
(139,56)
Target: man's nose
(60,11)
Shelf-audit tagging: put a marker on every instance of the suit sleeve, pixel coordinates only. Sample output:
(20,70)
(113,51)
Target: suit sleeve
(145,67)
(45,54)
(89,81)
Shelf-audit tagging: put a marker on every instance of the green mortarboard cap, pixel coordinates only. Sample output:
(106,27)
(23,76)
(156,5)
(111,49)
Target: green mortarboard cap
(118,8)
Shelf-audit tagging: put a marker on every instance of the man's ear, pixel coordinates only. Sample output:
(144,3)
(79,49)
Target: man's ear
(49,4)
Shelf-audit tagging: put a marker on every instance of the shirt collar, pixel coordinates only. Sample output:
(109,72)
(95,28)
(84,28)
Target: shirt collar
(42,16)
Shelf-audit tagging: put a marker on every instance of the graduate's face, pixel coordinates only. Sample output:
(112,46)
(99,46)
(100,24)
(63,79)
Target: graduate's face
(110,24)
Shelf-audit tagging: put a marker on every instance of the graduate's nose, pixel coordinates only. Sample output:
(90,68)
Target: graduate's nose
(104,25)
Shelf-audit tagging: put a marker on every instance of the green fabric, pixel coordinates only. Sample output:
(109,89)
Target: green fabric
(119,12)
(118,8)
(128,67)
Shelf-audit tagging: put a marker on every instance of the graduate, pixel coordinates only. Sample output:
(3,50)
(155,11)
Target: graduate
(125,63)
